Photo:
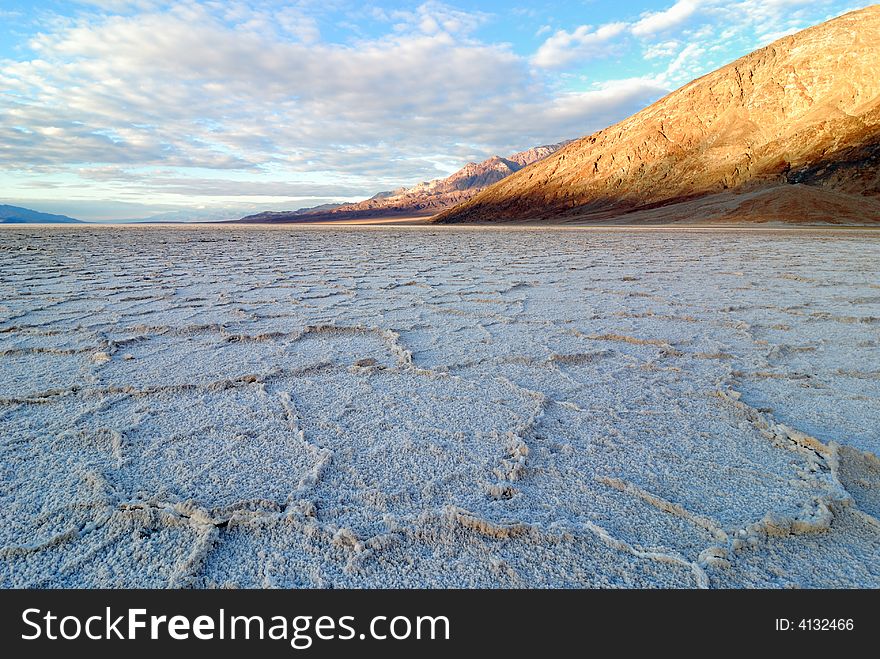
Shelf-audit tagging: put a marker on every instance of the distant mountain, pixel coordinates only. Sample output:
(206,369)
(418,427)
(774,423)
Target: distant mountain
(181,217)
(18,215)
(291,216)
(424,199)
(789,133)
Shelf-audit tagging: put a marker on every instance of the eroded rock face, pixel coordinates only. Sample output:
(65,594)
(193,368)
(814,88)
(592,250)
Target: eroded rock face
(425,198)
(804,110)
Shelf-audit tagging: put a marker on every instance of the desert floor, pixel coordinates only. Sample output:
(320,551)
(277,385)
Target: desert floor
(427,407)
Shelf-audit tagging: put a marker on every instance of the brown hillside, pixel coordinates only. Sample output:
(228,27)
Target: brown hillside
(803,111)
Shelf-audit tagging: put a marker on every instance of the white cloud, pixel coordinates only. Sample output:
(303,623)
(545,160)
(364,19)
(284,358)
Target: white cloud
(435,17)
(664,49)
(603,105)
(772,19)
(189,89)
(171,182)
(661,21)
(718,28)
(761,18)
(583,43)
(216,89)
(697,21)
(119,5)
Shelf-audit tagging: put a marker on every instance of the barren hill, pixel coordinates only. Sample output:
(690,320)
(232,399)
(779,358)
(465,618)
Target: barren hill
(790,132)
(426,198)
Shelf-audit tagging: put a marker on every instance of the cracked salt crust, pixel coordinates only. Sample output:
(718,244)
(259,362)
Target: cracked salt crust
(233,407)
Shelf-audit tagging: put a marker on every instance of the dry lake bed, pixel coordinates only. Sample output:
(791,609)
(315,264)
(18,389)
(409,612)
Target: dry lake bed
(411,407)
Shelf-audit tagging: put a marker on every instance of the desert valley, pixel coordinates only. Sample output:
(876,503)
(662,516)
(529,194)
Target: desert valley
(648,356)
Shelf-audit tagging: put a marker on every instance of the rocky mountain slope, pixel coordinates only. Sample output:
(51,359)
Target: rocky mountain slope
(426,198)
(790,132)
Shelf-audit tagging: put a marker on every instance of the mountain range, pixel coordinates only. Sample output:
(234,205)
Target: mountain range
(424,199)
(790,133)
(19,215)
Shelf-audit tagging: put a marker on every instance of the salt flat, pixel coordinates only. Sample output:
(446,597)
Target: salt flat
(408,407)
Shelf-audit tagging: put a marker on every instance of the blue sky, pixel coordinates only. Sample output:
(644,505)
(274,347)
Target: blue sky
(119,109)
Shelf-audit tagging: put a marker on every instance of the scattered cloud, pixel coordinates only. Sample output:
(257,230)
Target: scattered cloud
(436,17)
(581,44)
(604,104)
(184,88)
(769,20)
(120,5)
(187,88)
(189,186)
(692,22)
(662,50)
